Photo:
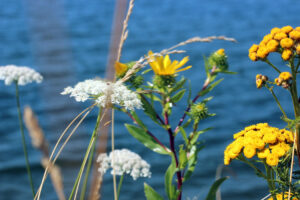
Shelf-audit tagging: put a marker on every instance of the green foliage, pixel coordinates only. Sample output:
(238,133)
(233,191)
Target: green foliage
(214,188)
(142,136)
(150,193)
(170,188)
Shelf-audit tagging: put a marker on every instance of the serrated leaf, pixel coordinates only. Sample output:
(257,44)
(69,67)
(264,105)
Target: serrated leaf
(214,188)
(210,87)
(142,136)
(170,188)
(178,85)
(150,193)
(178,96)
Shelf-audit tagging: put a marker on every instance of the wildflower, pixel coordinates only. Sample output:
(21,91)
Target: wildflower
(286,54)
(272,45)
(120,68)
(284,197)
(20,75)
(295,35)
(199,111)
(272,159)
(164,66)
(286,29)
(262,140)
(275,30)
(219,60)
(253,48)
(122,162)
(262,52)
(279,36)
(285,76)
(260,80)
(298,49)
(104,94)
(286,43)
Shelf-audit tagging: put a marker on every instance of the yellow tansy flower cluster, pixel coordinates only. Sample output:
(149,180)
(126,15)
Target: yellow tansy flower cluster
(260,80)
(282,197)
(285,40)
(283,79)
(266,142)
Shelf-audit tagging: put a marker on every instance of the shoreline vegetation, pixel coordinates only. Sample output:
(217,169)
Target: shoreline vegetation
(268,150)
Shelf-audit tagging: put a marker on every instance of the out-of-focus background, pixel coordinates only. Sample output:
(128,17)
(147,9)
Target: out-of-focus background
(68,41)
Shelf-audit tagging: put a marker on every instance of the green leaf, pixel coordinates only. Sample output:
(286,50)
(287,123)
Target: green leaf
(183,133)
(170,188)
(178,85)
(214,188)
(192,161)
(182,157)
(178,96)
(198,133)
(228,72)
(187,123)
(130,64)
(210,87)
(150,193)
(142,136)
(149,110)
(137,119)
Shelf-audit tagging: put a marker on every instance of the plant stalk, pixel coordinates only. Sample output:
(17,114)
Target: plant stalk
(23,139)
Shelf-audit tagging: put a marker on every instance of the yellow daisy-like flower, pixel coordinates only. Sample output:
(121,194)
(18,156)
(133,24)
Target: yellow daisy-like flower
(285,76)
(120,68)
(162,65)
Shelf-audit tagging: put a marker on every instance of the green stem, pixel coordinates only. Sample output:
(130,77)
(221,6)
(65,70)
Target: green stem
(88,168)
(276,99)
(273,66)
(92,141)
(270,181)
(119,186)
(23,139)
(253,166)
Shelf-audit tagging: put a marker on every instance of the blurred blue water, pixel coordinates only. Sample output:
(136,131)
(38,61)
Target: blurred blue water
(67,41)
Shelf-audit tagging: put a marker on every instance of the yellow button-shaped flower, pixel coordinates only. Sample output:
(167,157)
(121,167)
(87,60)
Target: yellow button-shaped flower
(286,54)
(295,35)
(286,43)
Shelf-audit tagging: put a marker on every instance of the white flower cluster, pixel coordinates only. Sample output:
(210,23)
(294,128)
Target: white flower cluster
(23,75)
(125,162)
(104,93)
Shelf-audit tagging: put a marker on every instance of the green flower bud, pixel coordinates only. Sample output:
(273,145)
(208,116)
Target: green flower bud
(219,60)
(164,81)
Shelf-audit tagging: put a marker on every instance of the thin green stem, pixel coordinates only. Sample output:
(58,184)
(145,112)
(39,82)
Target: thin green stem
(120,185)
(91,143)
(270,181)
(88,168)
(253,166)
(23,139)
(276,99)
(273,66)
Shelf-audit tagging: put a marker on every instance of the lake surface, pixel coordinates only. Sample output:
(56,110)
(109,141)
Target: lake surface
(68,41)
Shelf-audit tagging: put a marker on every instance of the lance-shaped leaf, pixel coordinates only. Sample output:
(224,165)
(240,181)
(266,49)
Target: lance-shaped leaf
(178,85)
(195,137)
(170,188)
(214,188)
(192,160)
(146,139)
(177,96)
(149,110)
(150,193)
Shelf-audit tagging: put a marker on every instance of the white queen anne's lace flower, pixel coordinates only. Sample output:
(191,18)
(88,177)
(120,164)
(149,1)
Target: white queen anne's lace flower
(125,162)
(104,93)
(21,75)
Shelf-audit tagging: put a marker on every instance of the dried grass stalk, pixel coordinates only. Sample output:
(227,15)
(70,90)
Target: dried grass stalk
(39,142)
